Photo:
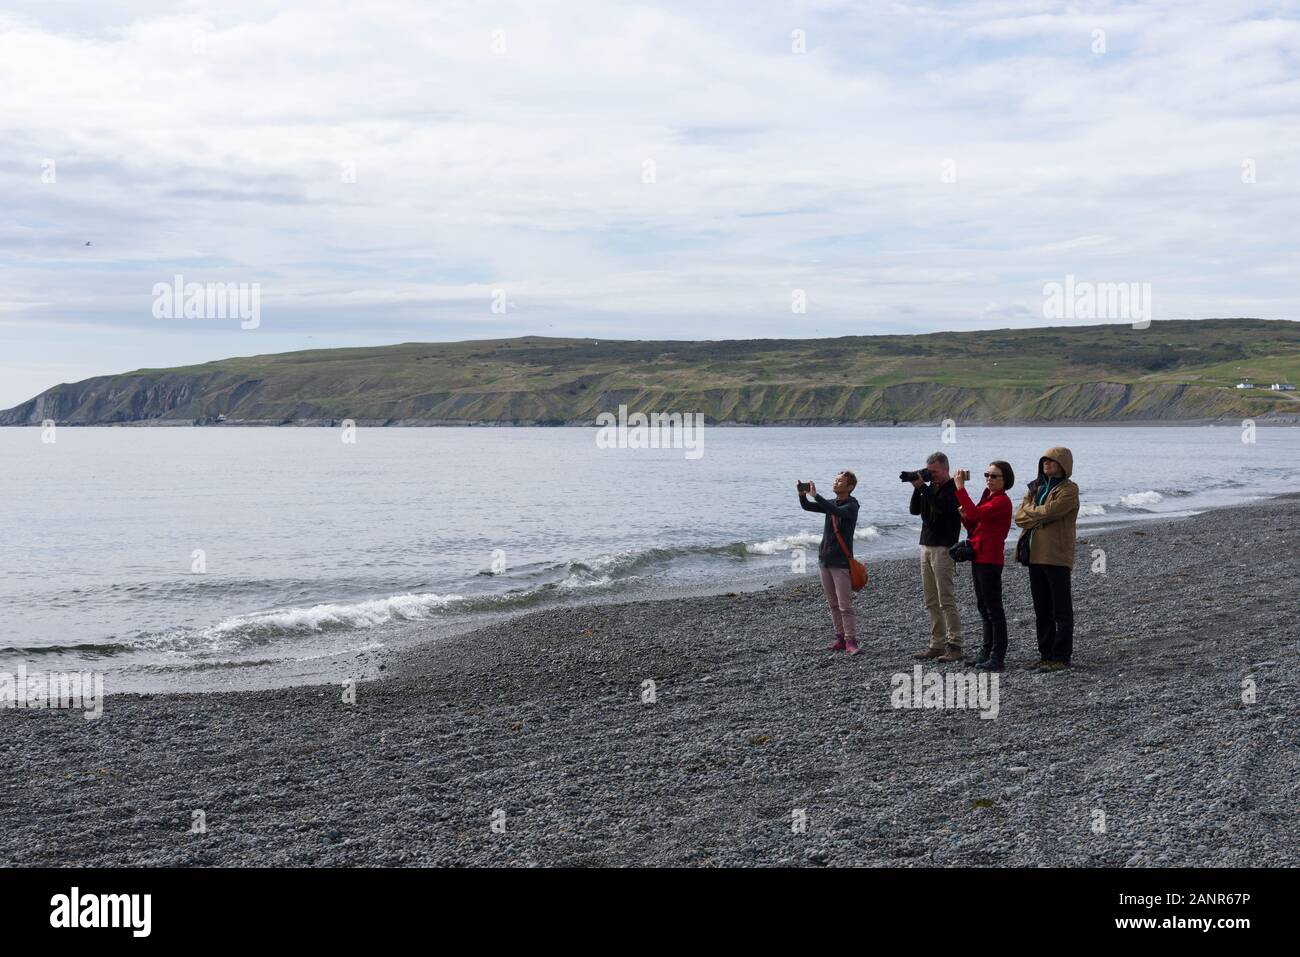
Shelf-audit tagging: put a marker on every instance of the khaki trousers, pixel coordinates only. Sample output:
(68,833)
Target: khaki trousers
(937,573)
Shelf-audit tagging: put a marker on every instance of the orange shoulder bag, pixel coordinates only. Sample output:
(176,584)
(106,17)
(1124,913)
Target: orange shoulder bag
(857,570)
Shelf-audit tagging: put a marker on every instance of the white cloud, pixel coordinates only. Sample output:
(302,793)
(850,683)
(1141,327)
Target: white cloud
(213,143)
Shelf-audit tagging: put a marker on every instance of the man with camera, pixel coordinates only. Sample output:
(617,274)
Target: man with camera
(934,498)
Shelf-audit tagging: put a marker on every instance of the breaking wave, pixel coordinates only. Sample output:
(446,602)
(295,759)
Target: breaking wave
(1141,499)
(774,546)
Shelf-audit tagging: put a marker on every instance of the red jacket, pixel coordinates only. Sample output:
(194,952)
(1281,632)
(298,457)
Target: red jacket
(988,524)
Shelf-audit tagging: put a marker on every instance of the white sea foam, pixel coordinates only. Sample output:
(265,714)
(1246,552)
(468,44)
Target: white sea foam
(575,580)
(1092,510)
(365,614)
(1141,499)
(242,629)
(774,546)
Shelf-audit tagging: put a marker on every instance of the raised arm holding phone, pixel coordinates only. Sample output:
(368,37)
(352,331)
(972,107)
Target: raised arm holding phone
(833,558)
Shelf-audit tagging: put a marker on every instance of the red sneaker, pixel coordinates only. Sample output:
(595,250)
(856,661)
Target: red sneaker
(852,645)
(837,645)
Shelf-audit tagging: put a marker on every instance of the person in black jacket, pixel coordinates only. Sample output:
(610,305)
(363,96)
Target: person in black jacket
(936,502)
(831,558)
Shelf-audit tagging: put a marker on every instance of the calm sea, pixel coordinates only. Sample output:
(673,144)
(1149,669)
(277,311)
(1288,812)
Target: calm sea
(208,558)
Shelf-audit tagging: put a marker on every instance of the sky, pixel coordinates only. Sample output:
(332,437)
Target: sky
(421,171)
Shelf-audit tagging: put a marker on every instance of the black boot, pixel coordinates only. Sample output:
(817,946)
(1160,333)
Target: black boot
(998,655)
(986,648)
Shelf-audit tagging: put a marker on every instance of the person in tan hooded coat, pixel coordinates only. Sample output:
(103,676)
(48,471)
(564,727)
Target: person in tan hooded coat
(1047,515)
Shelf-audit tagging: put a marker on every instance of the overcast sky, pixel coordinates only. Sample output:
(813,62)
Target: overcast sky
(626,170)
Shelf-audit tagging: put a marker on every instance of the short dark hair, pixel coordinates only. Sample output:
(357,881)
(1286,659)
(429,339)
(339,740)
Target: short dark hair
(853,479)
(937,457)
(1008,474)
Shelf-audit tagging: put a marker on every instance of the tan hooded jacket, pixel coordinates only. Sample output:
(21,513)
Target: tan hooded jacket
(1053,522)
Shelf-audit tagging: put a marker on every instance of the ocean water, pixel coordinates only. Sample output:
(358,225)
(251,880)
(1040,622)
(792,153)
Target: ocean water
(211,558)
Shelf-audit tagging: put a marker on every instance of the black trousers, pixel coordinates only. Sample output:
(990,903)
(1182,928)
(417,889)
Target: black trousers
(1053,611)
(988,598)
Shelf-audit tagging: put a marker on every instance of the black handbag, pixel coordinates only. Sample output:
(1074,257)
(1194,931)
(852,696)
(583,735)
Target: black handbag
(962,552)
(1022,543)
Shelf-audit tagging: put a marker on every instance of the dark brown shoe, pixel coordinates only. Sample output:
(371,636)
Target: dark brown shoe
(952,654)
(927,654)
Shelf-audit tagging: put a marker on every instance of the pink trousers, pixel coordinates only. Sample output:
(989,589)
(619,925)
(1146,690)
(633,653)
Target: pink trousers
(839,595)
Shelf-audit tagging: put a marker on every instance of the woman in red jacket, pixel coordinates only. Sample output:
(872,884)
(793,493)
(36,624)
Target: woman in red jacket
(988,524)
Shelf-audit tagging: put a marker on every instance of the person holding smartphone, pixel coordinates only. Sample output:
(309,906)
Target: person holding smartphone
(987,523)
(831,558)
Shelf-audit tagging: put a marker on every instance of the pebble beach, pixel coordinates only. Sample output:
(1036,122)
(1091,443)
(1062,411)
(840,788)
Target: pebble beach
(716,731)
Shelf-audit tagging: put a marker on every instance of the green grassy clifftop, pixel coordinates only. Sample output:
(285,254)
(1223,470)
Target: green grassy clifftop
(1172,371)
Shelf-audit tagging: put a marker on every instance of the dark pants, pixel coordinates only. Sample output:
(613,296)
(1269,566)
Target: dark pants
(1053,611)
(988,598)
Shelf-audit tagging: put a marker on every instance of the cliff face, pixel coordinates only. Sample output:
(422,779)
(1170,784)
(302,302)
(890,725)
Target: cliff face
(177,400)
(117,399)
(1178,371)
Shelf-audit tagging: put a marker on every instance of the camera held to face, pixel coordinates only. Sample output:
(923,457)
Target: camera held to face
(924,475)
